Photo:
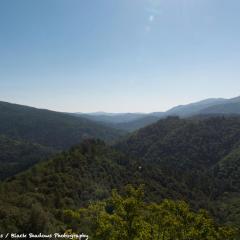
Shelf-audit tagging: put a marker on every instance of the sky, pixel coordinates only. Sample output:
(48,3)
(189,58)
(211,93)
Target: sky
(118,55)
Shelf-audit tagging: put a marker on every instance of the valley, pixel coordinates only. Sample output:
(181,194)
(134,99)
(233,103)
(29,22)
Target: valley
(46,170)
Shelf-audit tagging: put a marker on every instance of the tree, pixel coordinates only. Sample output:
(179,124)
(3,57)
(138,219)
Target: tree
(38,221)
(127,216)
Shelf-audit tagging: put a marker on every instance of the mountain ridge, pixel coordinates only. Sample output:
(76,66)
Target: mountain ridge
(49,128)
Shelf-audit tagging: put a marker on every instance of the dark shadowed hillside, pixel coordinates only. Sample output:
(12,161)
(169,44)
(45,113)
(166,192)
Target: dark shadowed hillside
(187,143)
(29,135)
(17,156)
(202,153)
(48,128)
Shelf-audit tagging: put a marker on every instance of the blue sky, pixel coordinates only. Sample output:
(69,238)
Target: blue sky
(118,55)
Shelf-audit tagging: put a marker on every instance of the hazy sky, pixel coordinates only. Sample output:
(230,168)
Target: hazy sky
(118,55)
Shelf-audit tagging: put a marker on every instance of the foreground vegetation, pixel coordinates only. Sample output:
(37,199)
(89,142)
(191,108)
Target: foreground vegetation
(127,216)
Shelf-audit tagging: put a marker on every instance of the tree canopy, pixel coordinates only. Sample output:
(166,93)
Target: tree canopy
(127,216)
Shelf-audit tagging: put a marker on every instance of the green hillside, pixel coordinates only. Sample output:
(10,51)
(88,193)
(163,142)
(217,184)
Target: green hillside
(195,160)
(17,156)
(75,178)
(48,128)
(69,180)
(188,143)
(202,154)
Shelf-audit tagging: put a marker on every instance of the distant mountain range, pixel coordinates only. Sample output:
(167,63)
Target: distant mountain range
(217,105)
(114,118)
(133,121)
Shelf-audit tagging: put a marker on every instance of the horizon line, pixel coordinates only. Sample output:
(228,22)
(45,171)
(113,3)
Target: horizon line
(127,112)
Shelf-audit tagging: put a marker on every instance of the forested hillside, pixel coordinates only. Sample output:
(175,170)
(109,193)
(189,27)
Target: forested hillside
(88,172)
(188,143)
(48,128)
(17,156)
(202,153)
(193,160)
(127,216)
(29,135)
(75,178)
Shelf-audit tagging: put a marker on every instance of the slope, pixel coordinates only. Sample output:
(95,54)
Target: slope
(174,158)
(17,156)
(191,143)
(194,108)
(49,128)
(136,124)
(224,109)
(72,179)
(201,153)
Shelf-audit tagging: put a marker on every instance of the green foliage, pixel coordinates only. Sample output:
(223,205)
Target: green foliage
(17,156)
(38,221)
(187,144)
(194,160)
(127,216)
(200,153)
(69,180)
(28,135)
